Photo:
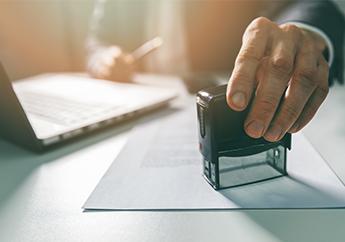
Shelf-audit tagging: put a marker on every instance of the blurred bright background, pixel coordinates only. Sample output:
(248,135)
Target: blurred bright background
(46,35)
(43,35)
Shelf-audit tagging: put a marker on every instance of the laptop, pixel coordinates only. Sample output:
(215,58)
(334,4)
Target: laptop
(46,110)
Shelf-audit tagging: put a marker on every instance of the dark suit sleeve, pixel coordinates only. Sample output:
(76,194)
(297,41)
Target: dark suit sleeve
(325,16)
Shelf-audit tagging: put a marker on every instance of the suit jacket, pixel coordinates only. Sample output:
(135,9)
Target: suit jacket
(328,18)
(214,29)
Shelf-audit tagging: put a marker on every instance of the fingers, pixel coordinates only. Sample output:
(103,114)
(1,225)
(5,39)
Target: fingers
(123,68)
(111,63)
(102,60)
(302,85)
(100,67)
(316,99)
(271,88)
(242,80)
(126,59)
(281,63)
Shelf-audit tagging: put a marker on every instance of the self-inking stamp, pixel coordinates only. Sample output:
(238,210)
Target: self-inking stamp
(230,157)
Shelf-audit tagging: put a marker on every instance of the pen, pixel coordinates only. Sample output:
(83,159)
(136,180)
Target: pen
(146,48)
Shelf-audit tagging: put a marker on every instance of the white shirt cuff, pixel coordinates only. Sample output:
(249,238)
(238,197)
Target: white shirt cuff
(320,33)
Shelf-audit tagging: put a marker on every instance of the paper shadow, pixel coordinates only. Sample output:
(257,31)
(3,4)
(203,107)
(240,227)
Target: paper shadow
(282,193)
(322,222)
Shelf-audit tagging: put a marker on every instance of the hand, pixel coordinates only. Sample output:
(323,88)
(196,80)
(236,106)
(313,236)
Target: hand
(285,67)
(112,64)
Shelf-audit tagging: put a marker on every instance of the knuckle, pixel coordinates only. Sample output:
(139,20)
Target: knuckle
(260,22)
(282,65)
(257,26)
(268,105)
(292,30)
(240,77)
(247,54)
(306,78)
(252,32)
(290,113)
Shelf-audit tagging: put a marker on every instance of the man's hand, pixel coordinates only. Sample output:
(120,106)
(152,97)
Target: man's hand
(284,66)
(111,63)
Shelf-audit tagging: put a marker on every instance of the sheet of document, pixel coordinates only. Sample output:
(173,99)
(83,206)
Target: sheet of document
(160,168)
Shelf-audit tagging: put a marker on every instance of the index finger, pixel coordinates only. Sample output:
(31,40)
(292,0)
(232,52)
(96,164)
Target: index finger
(242,80)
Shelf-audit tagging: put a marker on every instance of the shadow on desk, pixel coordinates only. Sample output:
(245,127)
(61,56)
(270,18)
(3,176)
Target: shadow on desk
(283,193)
(17,163)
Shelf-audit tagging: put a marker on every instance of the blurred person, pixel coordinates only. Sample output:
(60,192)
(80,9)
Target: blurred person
(283,53)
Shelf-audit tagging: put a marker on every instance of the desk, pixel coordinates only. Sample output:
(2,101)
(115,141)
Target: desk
(41,196)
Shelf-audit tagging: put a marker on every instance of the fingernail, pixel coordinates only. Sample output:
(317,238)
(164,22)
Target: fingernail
(255,129)
(239,99)
(274,133)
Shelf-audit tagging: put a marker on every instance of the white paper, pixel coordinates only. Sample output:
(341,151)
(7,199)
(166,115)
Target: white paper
(160,168)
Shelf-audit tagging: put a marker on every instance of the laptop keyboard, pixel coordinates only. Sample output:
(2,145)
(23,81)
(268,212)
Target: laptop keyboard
(62,110)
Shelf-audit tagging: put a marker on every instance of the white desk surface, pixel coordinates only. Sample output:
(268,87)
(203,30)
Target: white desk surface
(41,196)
